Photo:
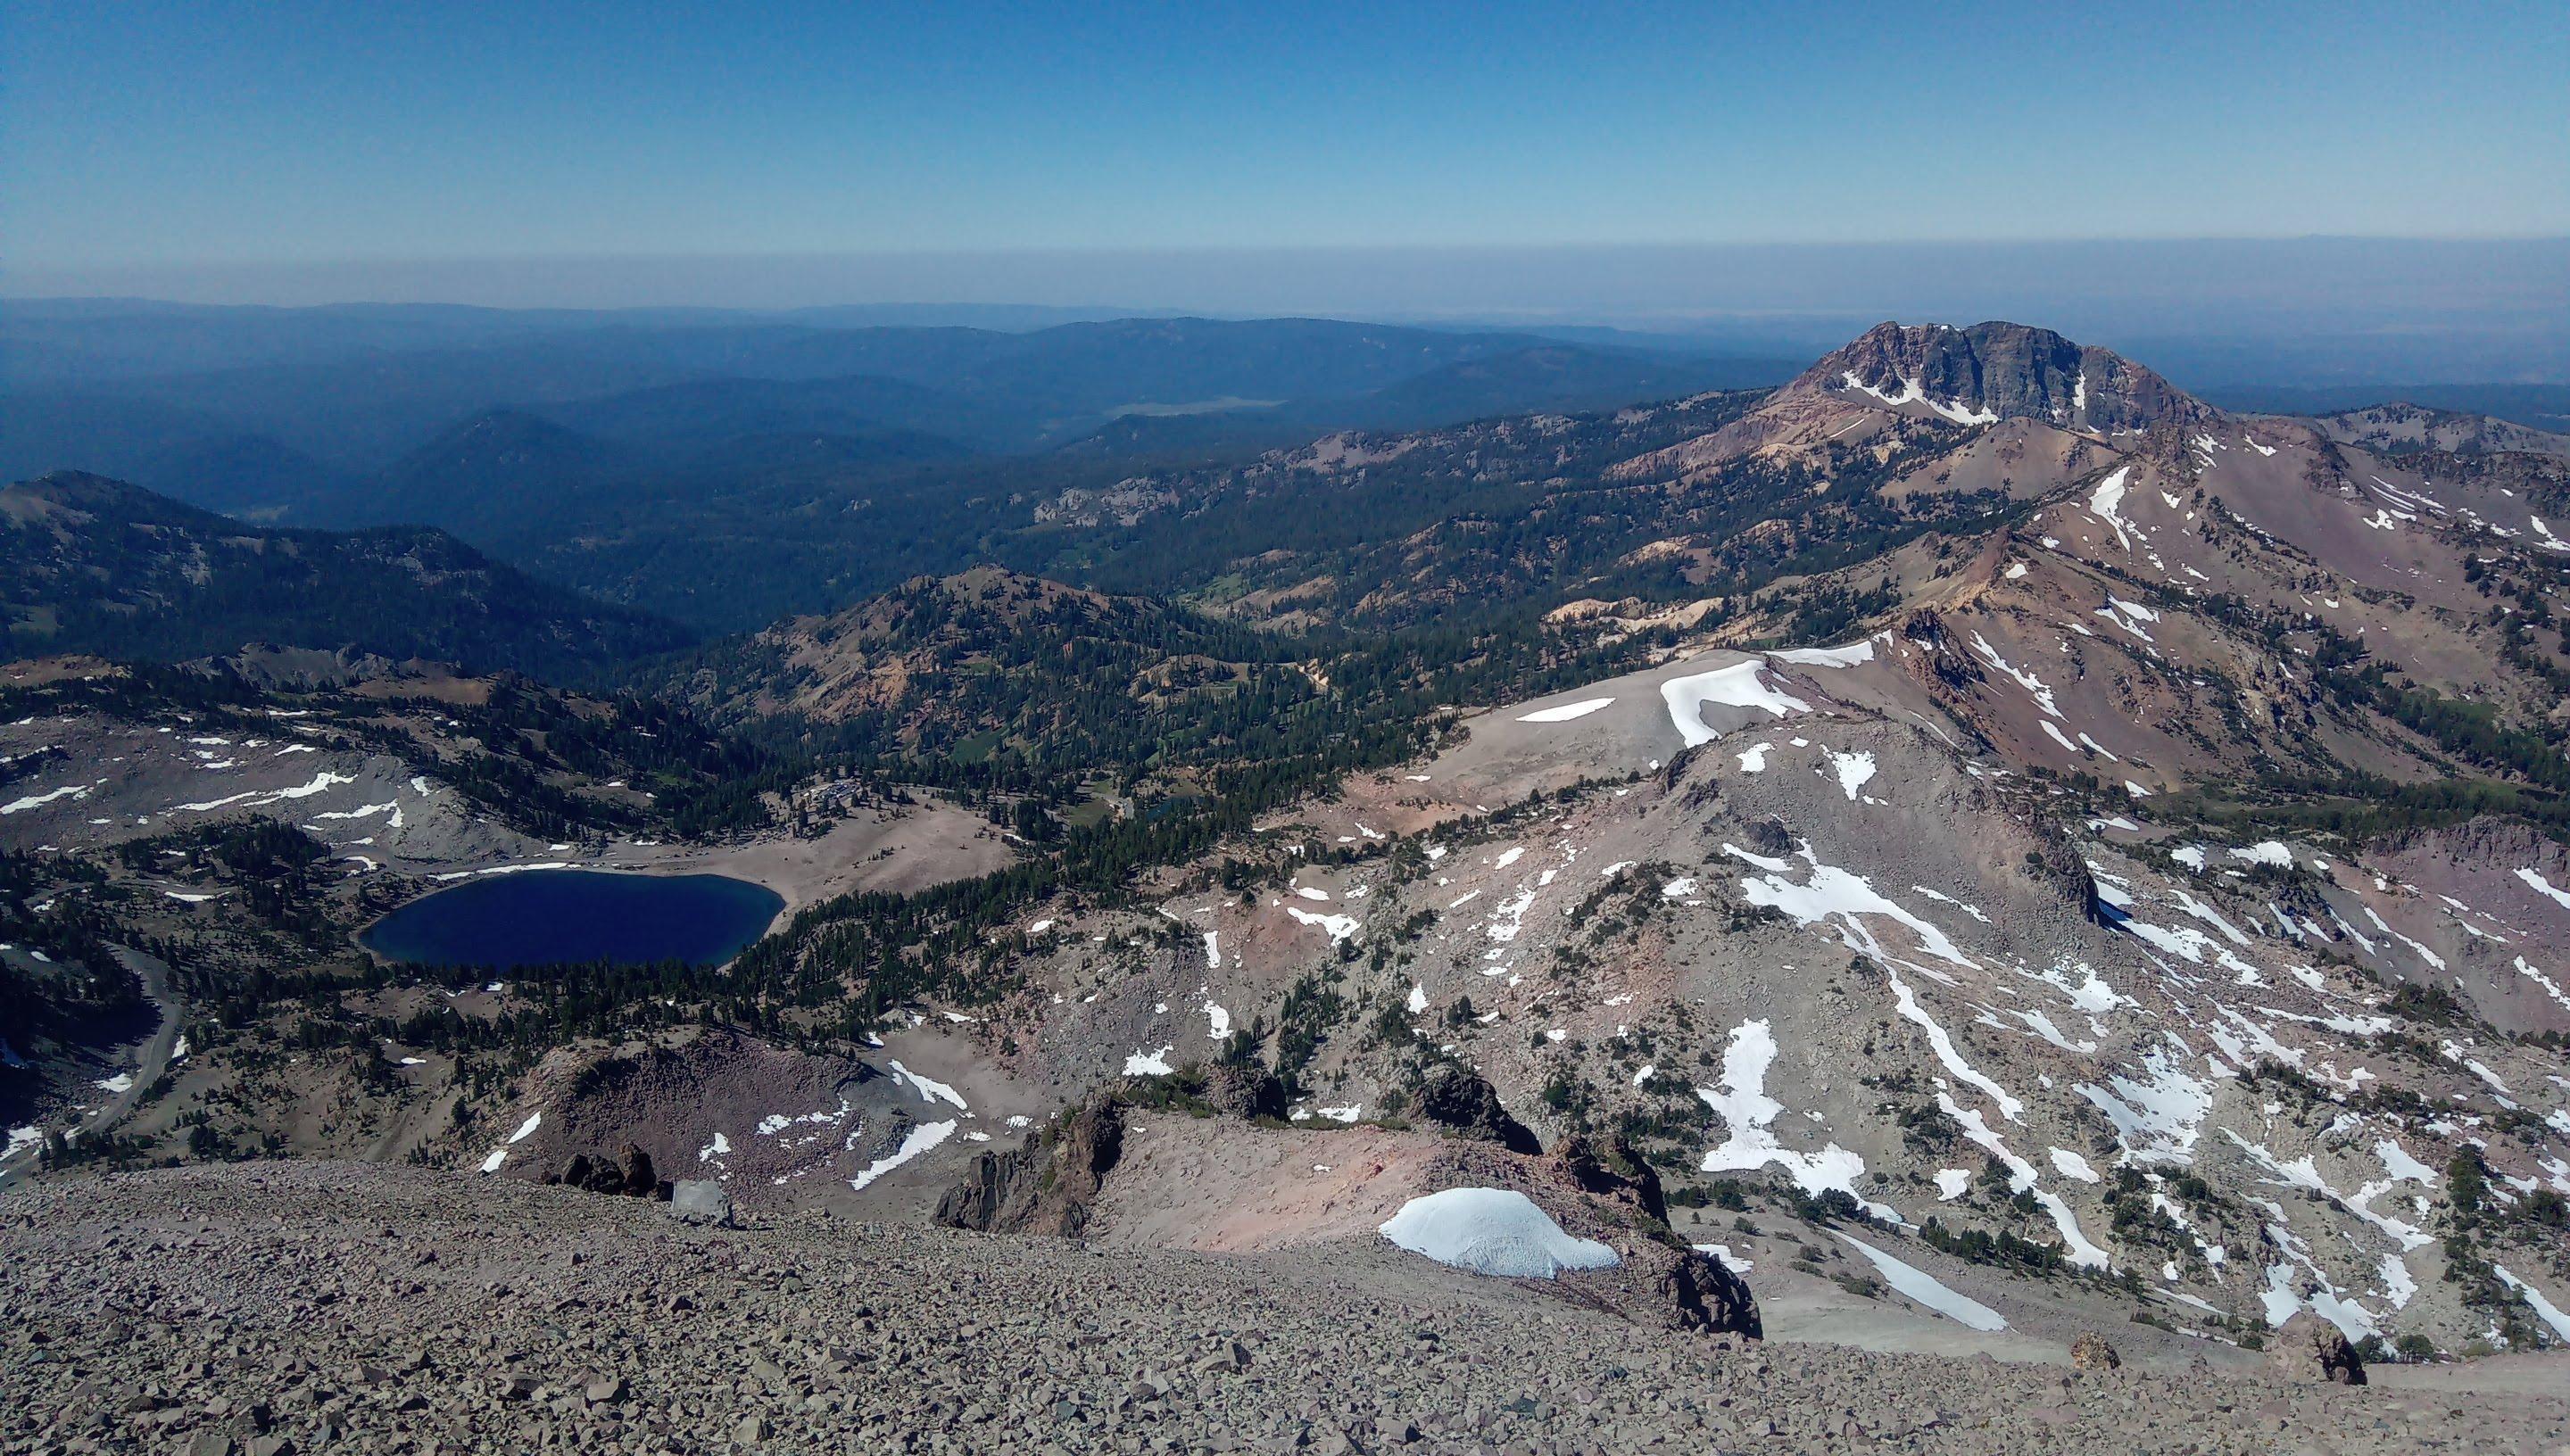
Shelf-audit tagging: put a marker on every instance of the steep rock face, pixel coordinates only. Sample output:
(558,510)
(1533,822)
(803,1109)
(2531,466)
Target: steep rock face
(1041,1187)
(2003,371)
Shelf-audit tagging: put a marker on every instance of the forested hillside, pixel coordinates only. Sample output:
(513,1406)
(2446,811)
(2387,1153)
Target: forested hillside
(92,566)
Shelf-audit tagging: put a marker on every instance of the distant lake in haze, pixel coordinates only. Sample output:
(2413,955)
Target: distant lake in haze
(548,916)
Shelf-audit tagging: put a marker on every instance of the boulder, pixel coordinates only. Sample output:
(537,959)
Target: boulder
(2091,1352)
(700,1201)
(639,1180)
(2309,1350)
(1462,1103)
(603,1175)
(597,1173)
(1703,1296)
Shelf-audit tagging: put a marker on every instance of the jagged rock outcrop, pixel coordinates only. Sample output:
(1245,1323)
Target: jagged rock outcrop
(2057,864)
(1703,1294)
(1462,1103)
(1611,1170)
(2310,1348)
(1244,1089)
(306,669)
(2002,371)
(996,1186)
(1940,661)
(1600,1187)
(1044,1186)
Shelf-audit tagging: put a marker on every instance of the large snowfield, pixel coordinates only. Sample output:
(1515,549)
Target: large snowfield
(1492,1230)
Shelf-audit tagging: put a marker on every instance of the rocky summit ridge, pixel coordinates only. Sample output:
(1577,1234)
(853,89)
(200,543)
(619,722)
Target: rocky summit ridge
(1998,371)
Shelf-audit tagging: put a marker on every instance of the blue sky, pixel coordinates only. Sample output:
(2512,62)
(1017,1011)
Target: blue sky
(283,133)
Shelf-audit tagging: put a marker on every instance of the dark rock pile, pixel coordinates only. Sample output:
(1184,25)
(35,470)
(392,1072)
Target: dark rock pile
(597,1173)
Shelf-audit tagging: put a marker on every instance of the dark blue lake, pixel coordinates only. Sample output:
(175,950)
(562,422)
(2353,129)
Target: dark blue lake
(544,916)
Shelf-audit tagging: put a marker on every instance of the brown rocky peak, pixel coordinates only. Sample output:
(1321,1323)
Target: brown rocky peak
(2000,371)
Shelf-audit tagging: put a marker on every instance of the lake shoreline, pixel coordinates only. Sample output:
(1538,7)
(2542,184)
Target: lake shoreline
(560,912)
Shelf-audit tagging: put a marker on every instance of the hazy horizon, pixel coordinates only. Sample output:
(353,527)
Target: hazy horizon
(2408,309)
(2204,179)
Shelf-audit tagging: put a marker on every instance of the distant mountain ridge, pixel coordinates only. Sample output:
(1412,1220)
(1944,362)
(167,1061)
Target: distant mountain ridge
(356,390)
(478,479)
(91,564)
(2401,427)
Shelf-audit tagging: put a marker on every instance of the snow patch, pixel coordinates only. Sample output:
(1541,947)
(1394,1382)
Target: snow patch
(2159,1115)
(2545,888)
(2544,1309)
(1738,686)
(1835,892)
(38,801)
(1851,655)
(1567,711)
(1923,1289)
(917,1141)
(1854,770)
(1750,1114)
(930,1092)
(1341,928)
(1491,1230)
(2070,1164)
(2104,500)
(2033,684)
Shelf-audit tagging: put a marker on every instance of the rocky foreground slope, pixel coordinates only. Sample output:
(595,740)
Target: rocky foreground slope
(312,1306)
